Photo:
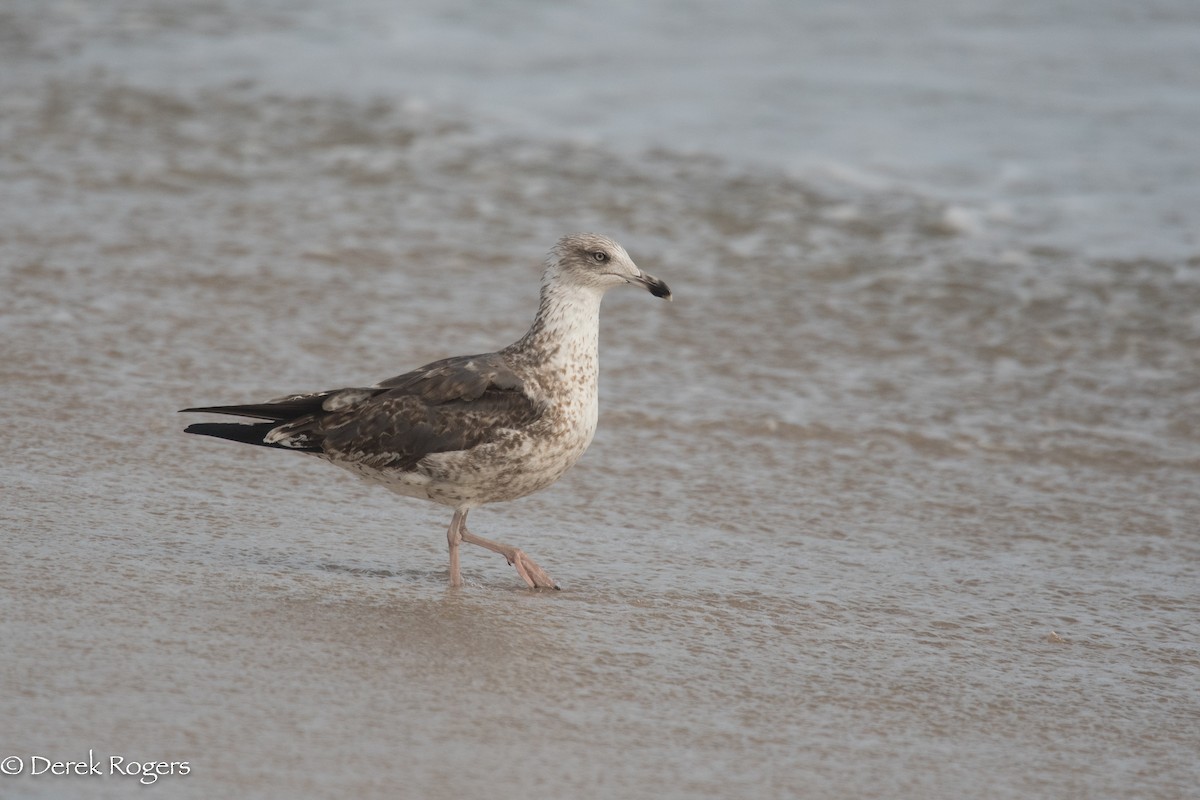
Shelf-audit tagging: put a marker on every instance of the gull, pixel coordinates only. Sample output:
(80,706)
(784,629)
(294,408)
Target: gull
(469,430)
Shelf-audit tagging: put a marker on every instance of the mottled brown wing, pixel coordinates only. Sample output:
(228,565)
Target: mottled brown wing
(458,378)
(395,430)
(452,404)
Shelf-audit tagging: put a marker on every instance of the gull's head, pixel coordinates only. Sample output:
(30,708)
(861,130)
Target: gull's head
(597,262)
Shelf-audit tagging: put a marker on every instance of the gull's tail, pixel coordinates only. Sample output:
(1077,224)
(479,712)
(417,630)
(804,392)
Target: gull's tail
(253,433)
(277,413)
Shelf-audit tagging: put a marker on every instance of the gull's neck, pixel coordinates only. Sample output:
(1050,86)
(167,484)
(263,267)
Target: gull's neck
(566,328)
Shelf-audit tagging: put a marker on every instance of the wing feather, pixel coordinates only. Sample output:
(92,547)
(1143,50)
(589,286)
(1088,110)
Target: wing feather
(453,404)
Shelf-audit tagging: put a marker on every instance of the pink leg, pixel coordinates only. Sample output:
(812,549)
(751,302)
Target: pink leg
(458,524)
(533,575)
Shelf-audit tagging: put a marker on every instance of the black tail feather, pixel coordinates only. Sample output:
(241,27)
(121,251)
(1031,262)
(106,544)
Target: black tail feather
(278,411)
(245,433)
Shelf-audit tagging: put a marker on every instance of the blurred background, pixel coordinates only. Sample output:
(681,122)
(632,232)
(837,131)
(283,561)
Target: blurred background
(897,498)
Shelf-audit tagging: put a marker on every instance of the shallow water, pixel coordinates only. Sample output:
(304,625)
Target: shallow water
(895,499)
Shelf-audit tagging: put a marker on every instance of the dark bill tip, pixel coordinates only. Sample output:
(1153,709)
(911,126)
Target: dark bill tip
(654,285)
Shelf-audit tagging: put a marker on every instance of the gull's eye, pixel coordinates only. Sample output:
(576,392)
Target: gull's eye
(600,256)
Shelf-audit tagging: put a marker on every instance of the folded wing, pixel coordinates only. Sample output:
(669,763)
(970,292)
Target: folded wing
(453,404)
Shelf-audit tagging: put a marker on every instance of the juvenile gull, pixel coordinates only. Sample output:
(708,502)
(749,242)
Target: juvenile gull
(469,430)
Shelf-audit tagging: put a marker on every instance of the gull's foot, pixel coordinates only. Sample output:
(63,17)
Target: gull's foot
(534,576)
